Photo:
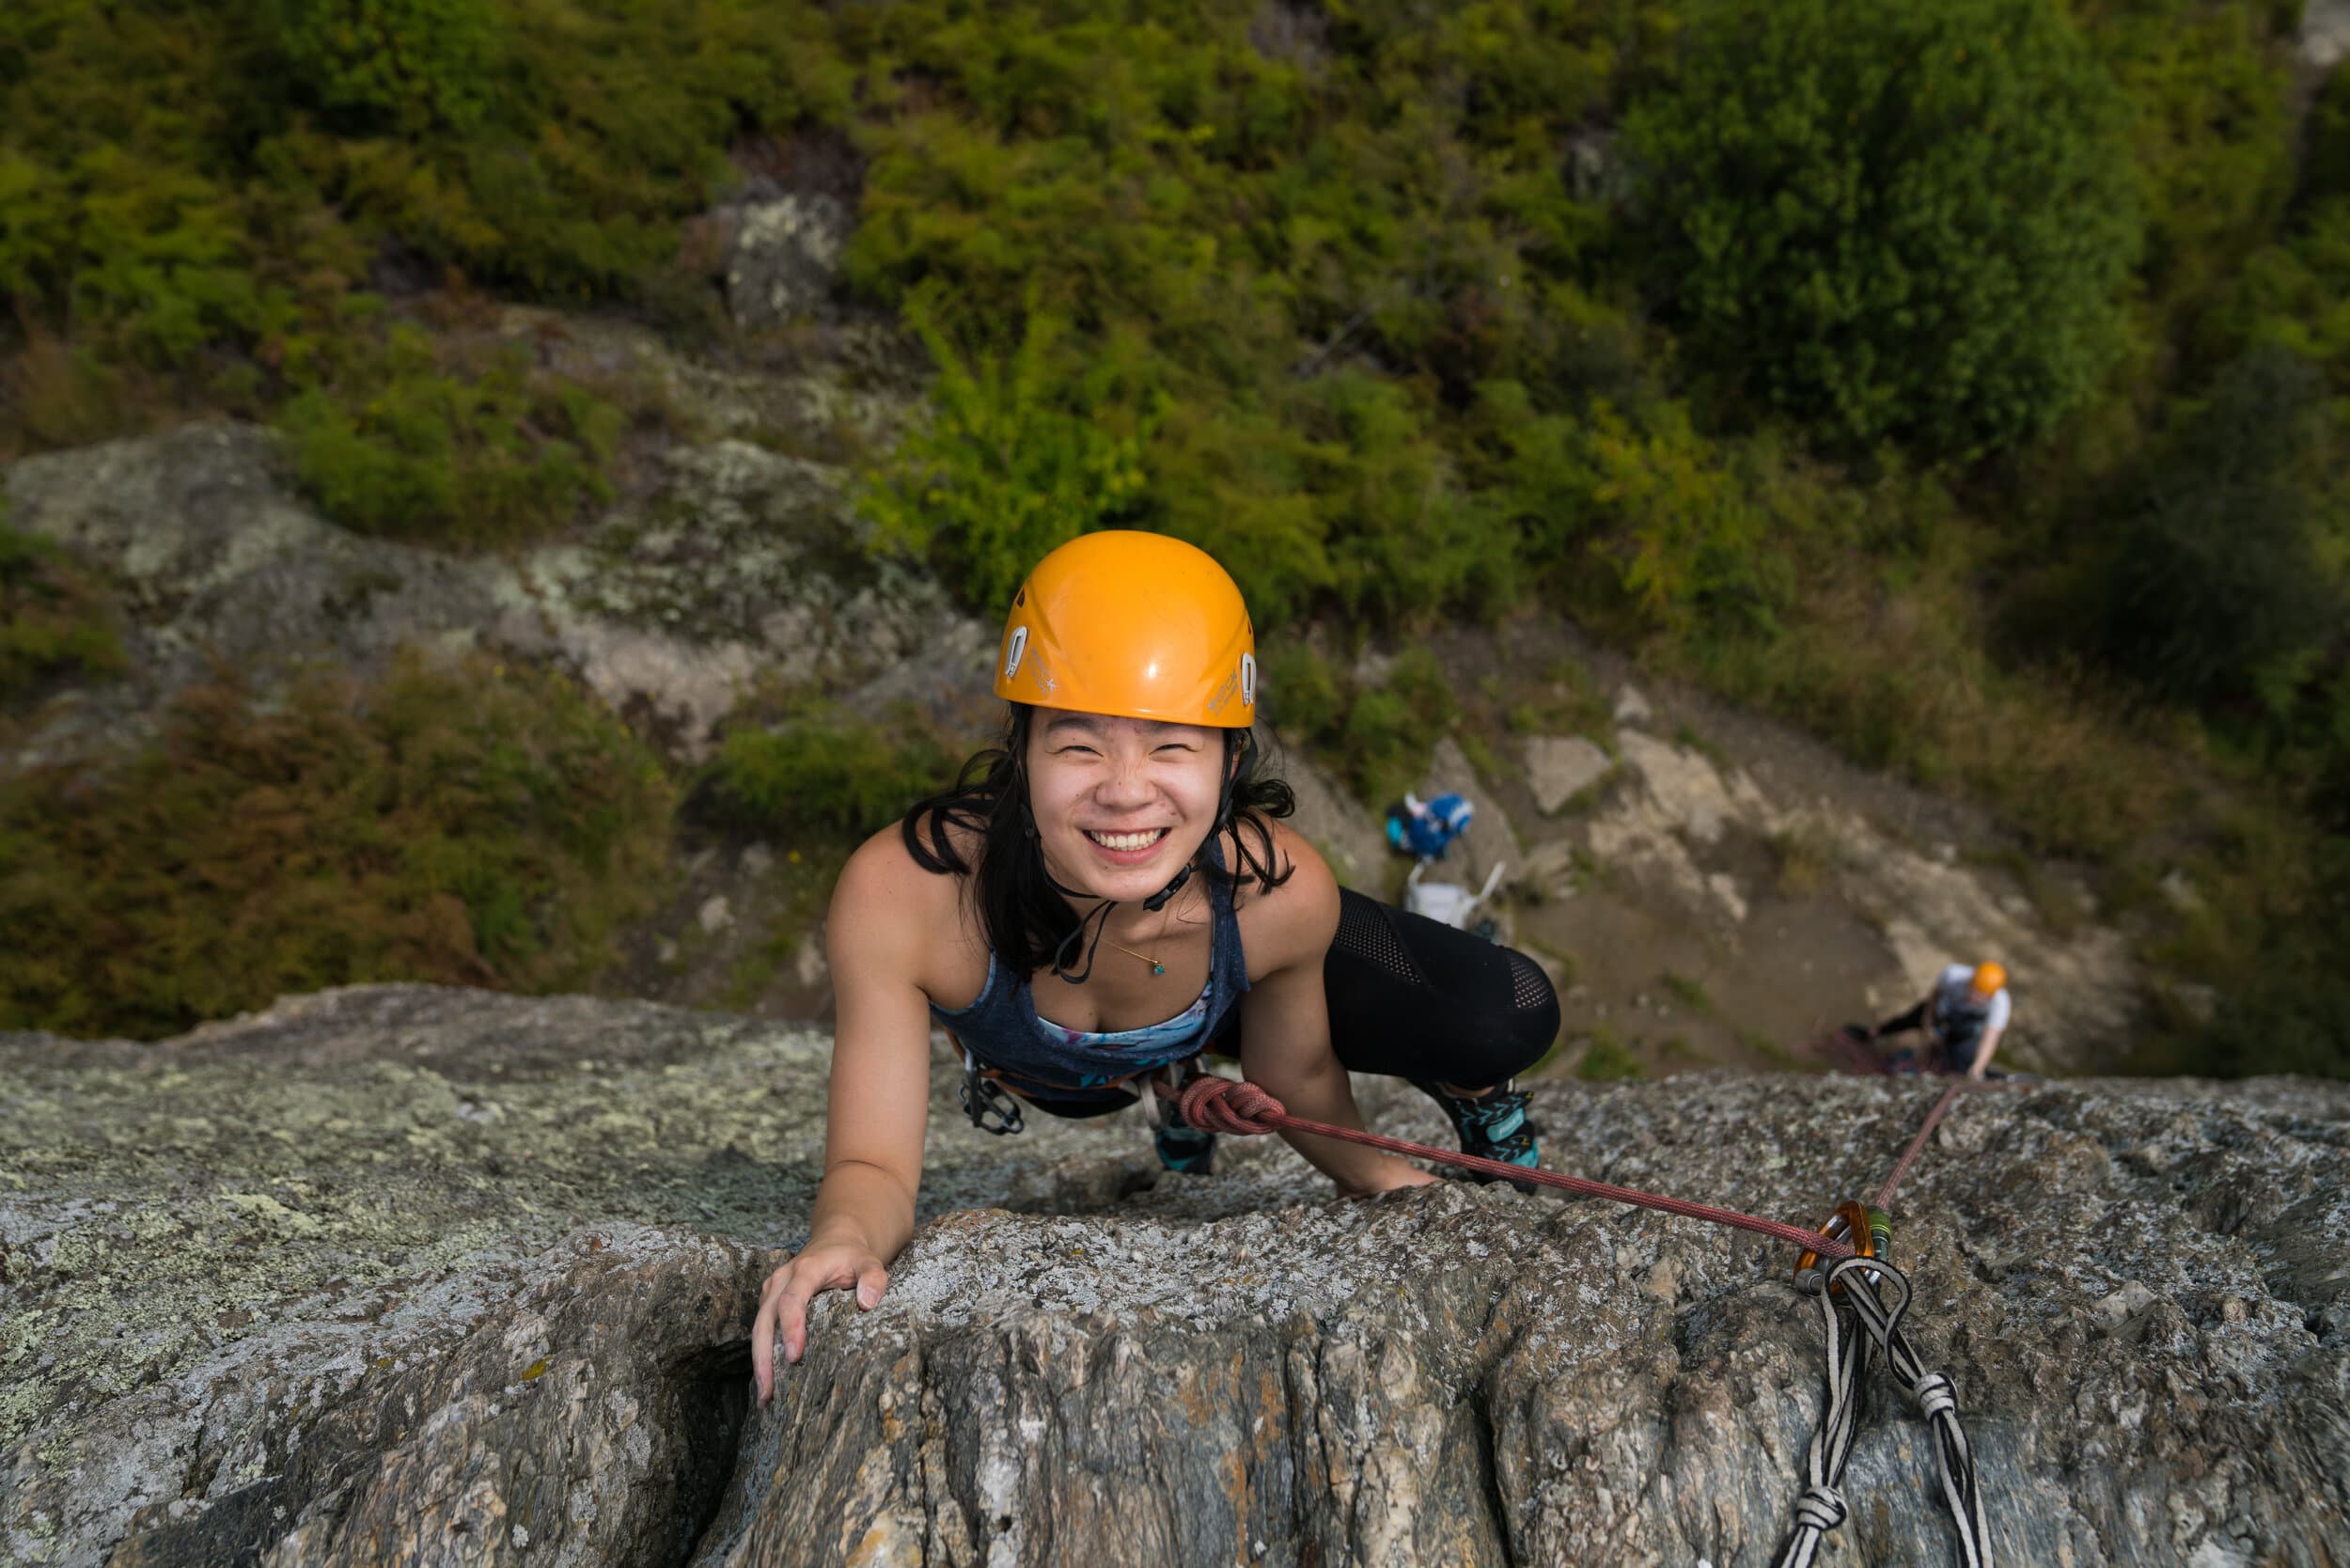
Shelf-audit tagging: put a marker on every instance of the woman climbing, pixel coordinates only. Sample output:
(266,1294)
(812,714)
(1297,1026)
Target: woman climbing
(1110,894)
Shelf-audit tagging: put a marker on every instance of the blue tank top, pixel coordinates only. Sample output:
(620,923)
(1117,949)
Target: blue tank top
(1002,1030)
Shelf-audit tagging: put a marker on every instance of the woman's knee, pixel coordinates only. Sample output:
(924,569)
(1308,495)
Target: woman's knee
(1522,1027)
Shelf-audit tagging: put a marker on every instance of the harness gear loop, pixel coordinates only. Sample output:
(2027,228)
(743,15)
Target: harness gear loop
(990,1106)
(1869,1230)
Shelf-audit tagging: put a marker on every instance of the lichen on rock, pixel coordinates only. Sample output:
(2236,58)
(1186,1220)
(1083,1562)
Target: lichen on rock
(408,1274)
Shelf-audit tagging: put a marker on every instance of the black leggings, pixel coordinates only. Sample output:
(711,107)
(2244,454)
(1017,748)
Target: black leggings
(1957,1053)
(1409,998)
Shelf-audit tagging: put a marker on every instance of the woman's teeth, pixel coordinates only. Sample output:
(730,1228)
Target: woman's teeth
(1128,841)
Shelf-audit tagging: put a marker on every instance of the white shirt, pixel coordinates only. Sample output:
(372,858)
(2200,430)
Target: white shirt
(1957,980)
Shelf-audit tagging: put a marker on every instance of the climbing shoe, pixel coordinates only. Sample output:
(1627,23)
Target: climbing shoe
(1188,1151)
(1491,1126)
(1184,1147)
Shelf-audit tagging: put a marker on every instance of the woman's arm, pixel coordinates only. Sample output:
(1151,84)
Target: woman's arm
(876,934)
(1989,1044)
(1285,1025)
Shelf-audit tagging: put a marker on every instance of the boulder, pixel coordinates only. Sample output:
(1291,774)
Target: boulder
(213,557)
(785,254)
(1560,767)
(408,1275)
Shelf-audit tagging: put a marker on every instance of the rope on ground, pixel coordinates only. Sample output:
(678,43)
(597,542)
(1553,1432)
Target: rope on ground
(1216,1105)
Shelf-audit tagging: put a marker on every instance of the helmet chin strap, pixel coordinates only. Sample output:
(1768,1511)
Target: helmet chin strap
(1155,902)
(1075,939)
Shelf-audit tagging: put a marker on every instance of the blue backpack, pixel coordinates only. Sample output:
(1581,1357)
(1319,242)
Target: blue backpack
(1426,829)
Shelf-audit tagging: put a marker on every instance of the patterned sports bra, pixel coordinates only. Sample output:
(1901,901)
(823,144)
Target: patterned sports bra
(1005,1037)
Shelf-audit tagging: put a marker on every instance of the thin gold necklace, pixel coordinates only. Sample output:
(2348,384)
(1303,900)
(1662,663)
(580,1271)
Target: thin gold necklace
(1156,967)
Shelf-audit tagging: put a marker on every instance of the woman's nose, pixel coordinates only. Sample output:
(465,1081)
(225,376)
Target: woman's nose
(1128,779)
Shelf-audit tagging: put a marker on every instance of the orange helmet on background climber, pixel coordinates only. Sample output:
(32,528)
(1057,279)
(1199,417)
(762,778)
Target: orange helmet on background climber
(1138,626)
(1990,979)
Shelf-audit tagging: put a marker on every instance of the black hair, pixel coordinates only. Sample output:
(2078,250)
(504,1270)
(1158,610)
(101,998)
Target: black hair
(1028,922)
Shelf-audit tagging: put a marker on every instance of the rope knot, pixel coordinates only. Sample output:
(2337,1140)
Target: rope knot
(1820,1508)
(1934,1396)
(1216,1105)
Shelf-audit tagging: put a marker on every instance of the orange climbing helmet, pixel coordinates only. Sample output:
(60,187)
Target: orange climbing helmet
(1134,624)
(1989,979)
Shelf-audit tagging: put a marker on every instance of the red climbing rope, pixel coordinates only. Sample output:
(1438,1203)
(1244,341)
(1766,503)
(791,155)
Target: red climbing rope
(1933,1120)
(1216,1105)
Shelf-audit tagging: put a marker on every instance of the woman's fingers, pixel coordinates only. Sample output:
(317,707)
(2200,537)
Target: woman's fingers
(791,1311)
(763,1335)
(784,1301)
(870,1282)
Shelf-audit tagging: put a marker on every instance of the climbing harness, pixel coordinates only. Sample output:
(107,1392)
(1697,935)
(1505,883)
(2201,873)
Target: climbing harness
(1845,1264)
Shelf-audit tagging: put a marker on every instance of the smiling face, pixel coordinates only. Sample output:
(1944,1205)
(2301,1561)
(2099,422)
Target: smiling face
(1120,804)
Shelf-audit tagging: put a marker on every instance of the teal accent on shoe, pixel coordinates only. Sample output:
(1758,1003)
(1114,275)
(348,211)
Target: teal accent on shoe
(1185,1151)
(1491,1126)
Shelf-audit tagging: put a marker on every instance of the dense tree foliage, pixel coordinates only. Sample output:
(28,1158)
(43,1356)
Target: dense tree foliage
(1896,221)
(404,65)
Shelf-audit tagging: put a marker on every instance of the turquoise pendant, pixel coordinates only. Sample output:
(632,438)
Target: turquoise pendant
(1158,969)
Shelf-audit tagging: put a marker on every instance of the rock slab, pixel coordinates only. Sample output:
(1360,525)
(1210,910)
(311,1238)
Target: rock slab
(410,1274)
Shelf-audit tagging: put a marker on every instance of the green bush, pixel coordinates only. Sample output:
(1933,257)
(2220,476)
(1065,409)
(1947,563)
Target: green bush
(1899,220)
(54,619)
(393,444)
(2293,293)
(1607,1058)
(1006,470)
(1676,523)
(1685,531)
(2288,1008)
(473,827)
(2219,588)
(1303,695)
(827,771)
(403,65)
(2209,88)
(1379,736)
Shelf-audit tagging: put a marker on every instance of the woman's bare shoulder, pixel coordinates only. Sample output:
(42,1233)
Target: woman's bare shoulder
(884,891)
(1295,920)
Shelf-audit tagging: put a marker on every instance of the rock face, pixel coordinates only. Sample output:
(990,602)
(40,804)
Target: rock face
(737,563)
(1692,832)
(403,1275)
(1560,767)
(784,257)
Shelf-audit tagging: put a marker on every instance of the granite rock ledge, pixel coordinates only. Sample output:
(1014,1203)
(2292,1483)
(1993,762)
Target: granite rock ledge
(400,1274)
